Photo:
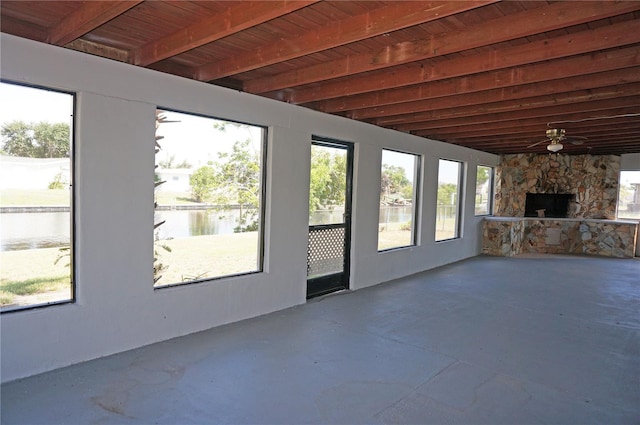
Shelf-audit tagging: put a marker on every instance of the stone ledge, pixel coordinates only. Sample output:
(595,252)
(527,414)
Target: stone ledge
(509,236)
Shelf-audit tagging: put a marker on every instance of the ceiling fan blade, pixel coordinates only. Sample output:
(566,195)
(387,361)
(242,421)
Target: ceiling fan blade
(576,140)
(536,143)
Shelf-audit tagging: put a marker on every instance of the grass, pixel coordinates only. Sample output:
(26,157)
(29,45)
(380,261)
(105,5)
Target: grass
(6,298)
(37,290)
(31,277)
(393,235)
(34,285)
(203,257)
(34,197)
(174,198)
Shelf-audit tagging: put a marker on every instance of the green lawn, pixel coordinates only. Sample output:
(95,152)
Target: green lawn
(34,197)
(174,198)
(31,276)
(202,257)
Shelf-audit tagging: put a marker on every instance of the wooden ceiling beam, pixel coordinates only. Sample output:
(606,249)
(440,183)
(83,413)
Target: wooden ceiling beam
(526,143)
(239,16)
(561,112)
(536,125)
(99,49)
(539,130)
(578,65)
(546,87)
(527,138)
(372,23)
(89,16)
(602,148)
(543,142)
(173,68)
(511,27)
(521,124)
(396,81)
(532,111)
(532,137)
(501,107)
(21,28)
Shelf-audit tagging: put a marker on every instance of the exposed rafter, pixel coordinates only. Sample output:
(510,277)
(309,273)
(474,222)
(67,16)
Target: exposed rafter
(563,46)
(495,31)
(559,87)
(515,77)
(376,22)
(89,16)
(237,17)
(484,74)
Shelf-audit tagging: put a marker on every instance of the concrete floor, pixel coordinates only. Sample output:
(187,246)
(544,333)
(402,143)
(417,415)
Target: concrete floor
(537,340)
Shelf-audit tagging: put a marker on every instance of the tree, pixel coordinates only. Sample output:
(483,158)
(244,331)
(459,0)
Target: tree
(233,179)
(203,184)
(36,140)
(482,175)
(393,179)
(446,193)
(239,175)
(328,179)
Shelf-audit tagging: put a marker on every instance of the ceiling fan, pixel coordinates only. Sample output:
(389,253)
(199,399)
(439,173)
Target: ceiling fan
(555,136)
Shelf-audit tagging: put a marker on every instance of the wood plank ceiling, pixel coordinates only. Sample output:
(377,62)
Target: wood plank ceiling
(493,76)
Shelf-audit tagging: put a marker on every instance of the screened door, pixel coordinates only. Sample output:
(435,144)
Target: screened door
(329,217)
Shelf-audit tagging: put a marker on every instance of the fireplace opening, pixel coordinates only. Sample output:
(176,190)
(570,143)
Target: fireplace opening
(554,205)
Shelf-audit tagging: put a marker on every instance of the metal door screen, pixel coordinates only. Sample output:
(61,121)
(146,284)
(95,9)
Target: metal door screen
(325,254)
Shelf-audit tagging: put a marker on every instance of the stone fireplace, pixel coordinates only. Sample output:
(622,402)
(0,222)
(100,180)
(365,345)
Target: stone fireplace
(591,179)
(547,205)
(528,186)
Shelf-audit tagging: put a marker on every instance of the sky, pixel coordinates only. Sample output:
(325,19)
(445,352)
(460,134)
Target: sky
(18,102)
(399,159)
(628,177)
(195,139)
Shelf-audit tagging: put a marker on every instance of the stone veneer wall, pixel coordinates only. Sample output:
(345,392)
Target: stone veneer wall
(593,179)
(580,237)
(509,237)
(502,238)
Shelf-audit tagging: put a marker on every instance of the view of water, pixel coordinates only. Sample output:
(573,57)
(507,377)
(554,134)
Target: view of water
(48,230)
(34,230)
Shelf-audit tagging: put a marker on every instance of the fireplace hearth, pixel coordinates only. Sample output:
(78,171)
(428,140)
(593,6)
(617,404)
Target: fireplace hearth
(553,205)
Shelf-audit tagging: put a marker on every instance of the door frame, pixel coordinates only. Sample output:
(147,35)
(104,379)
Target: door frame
(339,281)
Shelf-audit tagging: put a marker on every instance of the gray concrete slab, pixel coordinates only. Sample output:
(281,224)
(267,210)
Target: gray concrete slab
(531,340)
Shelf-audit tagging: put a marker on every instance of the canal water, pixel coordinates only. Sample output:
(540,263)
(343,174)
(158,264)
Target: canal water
(51,229)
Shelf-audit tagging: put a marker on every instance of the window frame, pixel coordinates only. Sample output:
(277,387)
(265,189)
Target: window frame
(459,202)
(415,202)
(620,187)
(72,198)
(262,208)
(491,193)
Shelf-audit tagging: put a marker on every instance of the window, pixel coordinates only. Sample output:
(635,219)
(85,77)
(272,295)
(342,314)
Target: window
(484,190)
(629,196)
(209,198)
(398,199)
(36,176)
(448,202)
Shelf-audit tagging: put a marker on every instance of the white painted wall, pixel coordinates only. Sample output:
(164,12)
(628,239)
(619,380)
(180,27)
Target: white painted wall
(117,308)
(630,162)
